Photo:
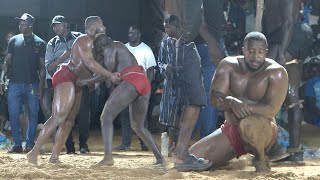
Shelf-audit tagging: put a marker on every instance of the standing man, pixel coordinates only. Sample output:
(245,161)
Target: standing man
(25,62)
(67,96)
(250,89)
(205,30)
(289,39)
(213,20)
(58,51)
(145,58)
(184,93)
(133,91)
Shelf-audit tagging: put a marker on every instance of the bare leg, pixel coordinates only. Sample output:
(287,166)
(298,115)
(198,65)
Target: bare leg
(46,102)
(183,161)
(189,118)
(120,98)
(63,100)
(138,110)
(214,147)
(64,130)
(294,113)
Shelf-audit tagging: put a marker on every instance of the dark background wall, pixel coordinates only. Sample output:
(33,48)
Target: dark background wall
(117,15)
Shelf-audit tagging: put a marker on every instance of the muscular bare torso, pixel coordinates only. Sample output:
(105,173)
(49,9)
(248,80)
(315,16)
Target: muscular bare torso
(248,86)
(76,65)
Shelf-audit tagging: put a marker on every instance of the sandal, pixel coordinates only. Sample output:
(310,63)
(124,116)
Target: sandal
(295,158)
(193,163)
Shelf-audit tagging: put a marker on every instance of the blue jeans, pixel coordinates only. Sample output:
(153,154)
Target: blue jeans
(207,120)
(17,92)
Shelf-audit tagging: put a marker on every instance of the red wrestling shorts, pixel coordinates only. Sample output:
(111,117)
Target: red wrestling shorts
(136,76)
(232,132)
(234,137)
(62,75)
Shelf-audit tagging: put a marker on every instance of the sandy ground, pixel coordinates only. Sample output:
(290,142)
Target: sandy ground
(135,164)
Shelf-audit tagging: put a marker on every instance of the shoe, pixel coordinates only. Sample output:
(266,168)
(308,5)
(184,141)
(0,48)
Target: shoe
(84,150)
(15,149)
(121,148)
(27,149)
(71,152)
(193,163)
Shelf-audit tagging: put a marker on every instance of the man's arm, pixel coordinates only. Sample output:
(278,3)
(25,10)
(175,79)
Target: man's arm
(94,79)
(214,50)
(150,63)
(150,73)
(54,64)
(42,76)
(220,86)
(275,94)
(49,57)
(85,49)
(220,92)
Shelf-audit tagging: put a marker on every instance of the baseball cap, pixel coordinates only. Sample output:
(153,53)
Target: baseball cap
(26,17)
(58,19)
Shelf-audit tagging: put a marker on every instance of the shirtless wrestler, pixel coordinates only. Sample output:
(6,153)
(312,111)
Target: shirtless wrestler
(133,91)
(67,96)
(250,89)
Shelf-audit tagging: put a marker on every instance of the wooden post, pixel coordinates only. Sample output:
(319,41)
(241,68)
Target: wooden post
(259,13)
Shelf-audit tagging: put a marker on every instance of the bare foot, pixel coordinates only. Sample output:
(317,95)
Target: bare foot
(54,160)
(104,162)
(32,157)
(261,166)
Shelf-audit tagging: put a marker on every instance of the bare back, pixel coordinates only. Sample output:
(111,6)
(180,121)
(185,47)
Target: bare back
(252,87)
(83,62)
(76,64)
(117,56)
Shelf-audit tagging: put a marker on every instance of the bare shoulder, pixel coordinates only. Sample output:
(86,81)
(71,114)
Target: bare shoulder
(84,39)
(120,46)
(275,69)
(230,62)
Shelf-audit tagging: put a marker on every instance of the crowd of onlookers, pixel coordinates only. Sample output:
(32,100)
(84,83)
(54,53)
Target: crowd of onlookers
(236,23)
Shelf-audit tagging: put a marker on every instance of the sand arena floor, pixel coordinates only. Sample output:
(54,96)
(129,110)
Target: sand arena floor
(135,164)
